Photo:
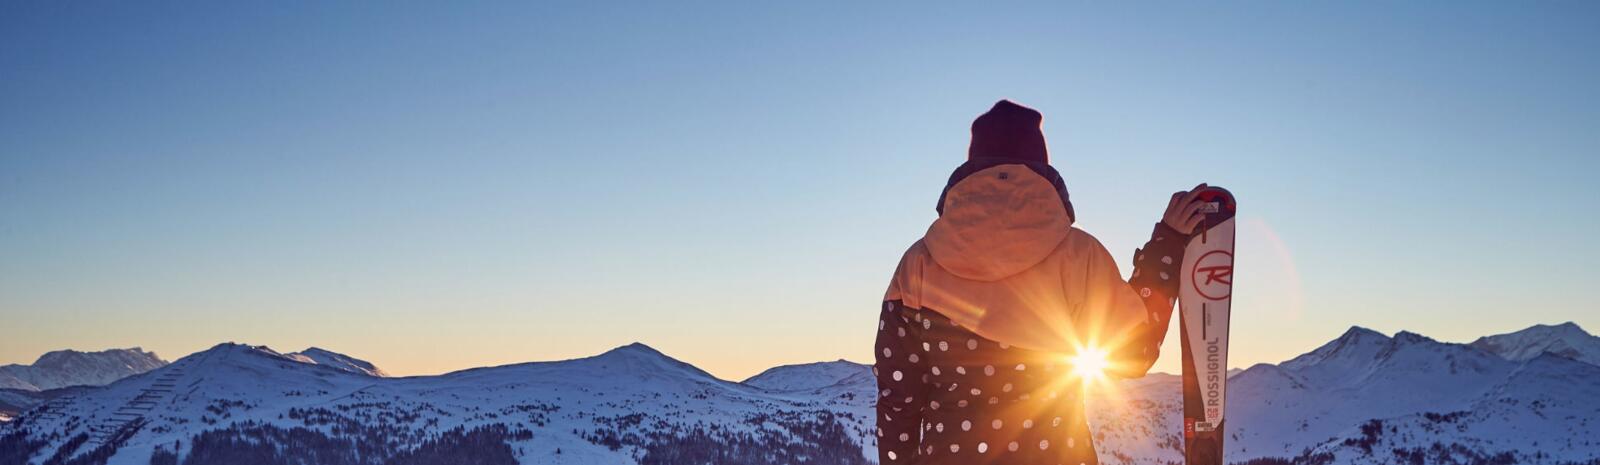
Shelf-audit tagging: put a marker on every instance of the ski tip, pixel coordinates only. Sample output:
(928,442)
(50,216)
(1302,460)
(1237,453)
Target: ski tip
(1218,206)
(1219,195)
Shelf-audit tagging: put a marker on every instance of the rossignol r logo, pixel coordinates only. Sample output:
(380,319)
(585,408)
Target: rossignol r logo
(1212,277)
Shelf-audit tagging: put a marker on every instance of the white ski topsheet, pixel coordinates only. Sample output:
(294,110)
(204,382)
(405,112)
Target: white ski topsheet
(1204,298)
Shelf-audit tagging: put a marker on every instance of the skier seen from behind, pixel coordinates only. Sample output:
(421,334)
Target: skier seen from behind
(985,310)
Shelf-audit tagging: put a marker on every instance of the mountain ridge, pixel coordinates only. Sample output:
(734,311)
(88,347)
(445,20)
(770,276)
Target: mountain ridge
(1363,397)
(1566,339)
(319,356)
(63,368)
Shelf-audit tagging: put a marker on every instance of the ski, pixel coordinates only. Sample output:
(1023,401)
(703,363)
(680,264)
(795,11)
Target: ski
(1204,298)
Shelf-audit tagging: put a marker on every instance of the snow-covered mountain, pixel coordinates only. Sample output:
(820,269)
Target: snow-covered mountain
(237,404)
(1369,398)
(316,356)
(64,368)
(1566,339)
(1363,398)
(812,376)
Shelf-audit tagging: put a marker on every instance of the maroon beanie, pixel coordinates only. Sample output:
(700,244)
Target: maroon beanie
(1010,131)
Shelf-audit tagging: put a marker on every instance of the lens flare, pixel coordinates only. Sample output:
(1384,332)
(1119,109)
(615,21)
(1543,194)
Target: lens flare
(1089,363)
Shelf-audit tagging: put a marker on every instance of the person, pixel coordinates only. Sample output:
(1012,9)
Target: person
(984,311)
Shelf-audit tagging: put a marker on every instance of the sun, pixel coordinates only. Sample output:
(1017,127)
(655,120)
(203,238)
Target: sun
(1089,363)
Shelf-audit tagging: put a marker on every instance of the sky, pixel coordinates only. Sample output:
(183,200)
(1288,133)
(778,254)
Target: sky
(438,186)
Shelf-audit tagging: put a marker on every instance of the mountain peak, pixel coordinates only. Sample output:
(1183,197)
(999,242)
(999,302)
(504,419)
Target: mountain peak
(231,347)
(62,368)
(1360,332)
(1407,337)
(1570,327)
(638,356)
(1357,346)
(229,356)
(808,376)
(1562,329)
(636,347)
(1566,339)
(55,357)
(636,350)
(328,358)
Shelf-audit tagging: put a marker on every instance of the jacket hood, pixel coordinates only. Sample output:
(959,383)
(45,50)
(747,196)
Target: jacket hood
(998,219)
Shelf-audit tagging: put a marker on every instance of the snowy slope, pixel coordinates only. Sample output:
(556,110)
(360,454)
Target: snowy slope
(16,401)
(316,356)
(1362,398)
(1369,398)
(64,368)
(1544,413)
(1566,339)
(631,404)
(811,376)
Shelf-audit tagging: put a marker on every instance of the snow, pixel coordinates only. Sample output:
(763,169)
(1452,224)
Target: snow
(1538,410)
(64,368)
(561,401)
(810,376)
(316,356)
(1409,391)
(1566,340)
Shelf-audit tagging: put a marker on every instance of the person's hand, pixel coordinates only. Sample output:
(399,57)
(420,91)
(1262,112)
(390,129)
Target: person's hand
(1183,211)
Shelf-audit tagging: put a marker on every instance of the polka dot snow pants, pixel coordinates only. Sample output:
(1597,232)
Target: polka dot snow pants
(948,396)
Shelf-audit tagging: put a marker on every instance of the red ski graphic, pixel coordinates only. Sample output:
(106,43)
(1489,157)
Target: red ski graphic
(1213,275)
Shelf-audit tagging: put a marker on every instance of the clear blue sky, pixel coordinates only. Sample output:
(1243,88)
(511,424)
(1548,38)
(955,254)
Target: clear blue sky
(439,186)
